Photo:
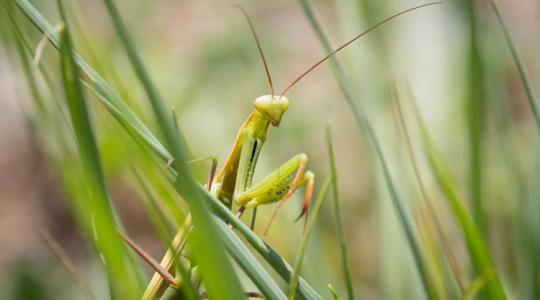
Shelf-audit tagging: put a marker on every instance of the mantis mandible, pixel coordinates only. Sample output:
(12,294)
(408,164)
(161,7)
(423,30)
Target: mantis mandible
(233,182)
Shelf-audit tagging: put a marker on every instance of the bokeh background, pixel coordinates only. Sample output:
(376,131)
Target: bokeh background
(205,63)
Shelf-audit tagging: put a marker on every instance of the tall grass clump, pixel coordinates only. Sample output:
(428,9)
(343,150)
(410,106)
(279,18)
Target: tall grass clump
(425,187)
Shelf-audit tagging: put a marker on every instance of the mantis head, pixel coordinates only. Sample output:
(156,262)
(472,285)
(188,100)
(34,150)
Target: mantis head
(273,107)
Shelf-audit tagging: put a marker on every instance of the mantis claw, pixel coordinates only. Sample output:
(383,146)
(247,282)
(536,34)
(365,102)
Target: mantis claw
(307,201)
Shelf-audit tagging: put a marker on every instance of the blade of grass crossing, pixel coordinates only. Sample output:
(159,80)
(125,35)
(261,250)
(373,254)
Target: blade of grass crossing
(365,126)
(400,119)
(337,214)
(478,249)
(98,203)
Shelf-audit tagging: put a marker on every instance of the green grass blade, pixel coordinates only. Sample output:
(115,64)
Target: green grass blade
(281,266)
(476,105)
(249,263)
(97,207)
(365,126)
(478,248)
(533,100)
(337,214)
(68,264)
(445,244)
(293,285)
(335,295)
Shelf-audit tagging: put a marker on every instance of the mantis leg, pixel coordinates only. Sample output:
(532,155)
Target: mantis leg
(279,185)
(212,169)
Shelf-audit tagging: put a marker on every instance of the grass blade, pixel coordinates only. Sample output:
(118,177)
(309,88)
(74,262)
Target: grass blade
(337,214)
(478,249)
(476,105)
(97,207)
(533,100)
(293,285)
(68,264)
(456,272)
(247,262)
(365,126)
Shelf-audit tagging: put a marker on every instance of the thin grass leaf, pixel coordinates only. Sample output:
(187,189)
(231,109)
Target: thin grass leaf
(476,286)
(475,106)
(293,285)
(337,215)
(364,125)
(454,266)
(533,100)
(97,206)
(478,248)
(335,295)
(68,264)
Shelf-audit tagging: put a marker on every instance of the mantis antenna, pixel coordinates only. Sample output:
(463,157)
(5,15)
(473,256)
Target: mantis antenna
(294,82)
(254,33)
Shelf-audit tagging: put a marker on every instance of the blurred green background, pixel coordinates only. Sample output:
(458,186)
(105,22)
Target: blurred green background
(205,63)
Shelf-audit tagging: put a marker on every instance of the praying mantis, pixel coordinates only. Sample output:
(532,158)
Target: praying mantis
(233,182)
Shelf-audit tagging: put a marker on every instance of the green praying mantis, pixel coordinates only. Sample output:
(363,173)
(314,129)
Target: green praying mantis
(233,182)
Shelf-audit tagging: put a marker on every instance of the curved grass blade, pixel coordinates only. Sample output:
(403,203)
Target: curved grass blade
(364,125)
(533,100)
(96,206)
(337,214)
(68,264)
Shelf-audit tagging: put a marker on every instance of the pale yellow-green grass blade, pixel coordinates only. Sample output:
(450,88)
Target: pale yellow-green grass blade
(477,246)
(345,264)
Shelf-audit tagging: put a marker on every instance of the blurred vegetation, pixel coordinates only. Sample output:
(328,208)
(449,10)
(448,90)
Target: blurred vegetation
(424,134)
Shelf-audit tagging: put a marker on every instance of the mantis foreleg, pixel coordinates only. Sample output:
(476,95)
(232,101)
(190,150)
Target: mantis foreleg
(279,185)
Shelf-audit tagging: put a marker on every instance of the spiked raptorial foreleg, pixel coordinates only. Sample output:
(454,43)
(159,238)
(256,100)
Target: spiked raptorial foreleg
(280,185)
